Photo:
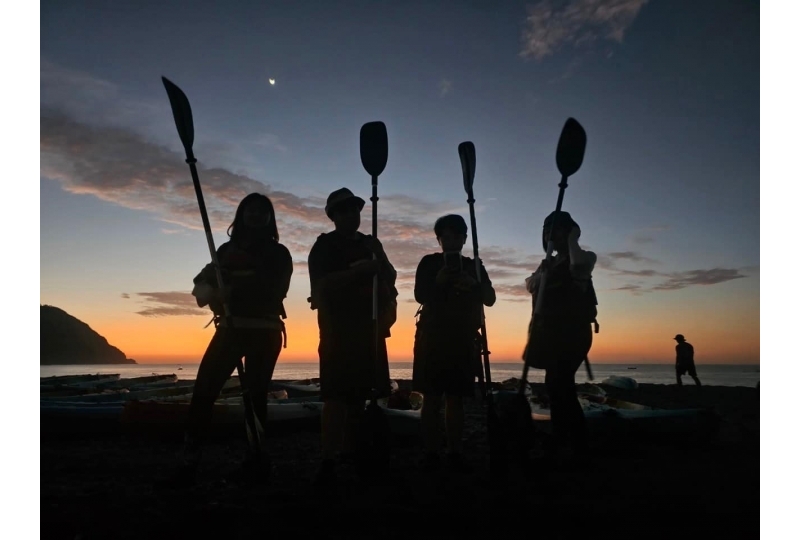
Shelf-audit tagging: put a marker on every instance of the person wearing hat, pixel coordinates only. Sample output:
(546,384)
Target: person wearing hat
(341,266)
(446,352)
(684,360)
(561,338)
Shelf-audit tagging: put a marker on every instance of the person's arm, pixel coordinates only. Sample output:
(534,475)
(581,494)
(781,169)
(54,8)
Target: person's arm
(324,280)
(581,262)
(425,280)
(206,289)
(284,274)
(488,294)
(386,269)
(532,281)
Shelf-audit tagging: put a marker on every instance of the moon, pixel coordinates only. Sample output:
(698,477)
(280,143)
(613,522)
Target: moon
(272,82)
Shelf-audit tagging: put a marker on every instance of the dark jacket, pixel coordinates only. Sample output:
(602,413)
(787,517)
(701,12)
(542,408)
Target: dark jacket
(258,278)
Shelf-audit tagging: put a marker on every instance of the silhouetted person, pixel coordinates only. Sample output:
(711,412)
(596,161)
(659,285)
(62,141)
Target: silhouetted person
(562,337)
(256,272)
(446,349)
(341,267)
(684,360)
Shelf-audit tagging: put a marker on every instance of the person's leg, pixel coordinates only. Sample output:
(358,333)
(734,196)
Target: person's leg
(334,416)
(575,422)
(431,427)
(261,355)
(553,388)
(454,423)
(218,362)
(678,375)
(353,431)
(216,366)
(693,374)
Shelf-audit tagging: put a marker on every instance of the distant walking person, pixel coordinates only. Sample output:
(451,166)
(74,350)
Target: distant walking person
(684,360)
(256,271)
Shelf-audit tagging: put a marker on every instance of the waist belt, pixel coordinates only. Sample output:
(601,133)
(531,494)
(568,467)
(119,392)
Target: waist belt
(251,323)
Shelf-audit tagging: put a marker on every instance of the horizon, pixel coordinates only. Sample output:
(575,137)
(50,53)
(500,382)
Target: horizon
(667,196)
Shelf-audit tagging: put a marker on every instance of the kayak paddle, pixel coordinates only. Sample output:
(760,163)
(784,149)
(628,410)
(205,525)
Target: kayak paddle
(497,451)
(182,112)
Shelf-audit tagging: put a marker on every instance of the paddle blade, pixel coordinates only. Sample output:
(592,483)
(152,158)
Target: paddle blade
(374,147)
(466,151)
(571,147)
(182,113)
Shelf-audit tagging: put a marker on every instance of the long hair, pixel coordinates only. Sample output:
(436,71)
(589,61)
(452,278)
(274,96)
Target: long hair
(237,228)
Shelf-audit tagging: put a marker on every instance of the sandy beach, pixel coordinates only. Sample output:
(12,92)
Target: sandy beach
(102,486)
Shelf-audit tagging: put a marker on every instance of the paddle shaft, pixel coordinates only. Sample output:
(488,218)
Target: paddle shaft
(250,419)
(375,326)
(484,340)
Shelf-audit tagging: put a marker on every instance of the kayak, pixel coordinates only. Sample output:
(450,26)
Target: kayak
(97,382)
(71,379)
(609,415)
(297,388)
(120,396)
(143,381)
(626,383)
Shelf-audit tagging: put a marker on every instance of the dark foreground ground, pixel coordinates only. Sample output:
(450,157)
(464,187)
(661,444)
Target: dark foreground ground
(634,487)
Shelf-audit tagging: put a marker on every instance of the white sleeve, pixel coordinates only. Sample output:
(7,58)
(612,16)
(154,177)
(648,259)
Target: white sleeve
(532,281)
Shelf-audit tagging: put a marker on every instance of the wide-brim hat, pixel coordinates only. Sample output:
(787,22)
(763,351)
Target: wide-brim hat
(340,196)
(679,337)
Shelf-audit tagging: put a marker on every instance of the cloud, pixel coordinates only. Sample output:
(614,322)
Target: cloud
(270,141)
(661,280)
(681,280)
(551,24)
(630,256)
(170,304)
(445,87)
(125,295)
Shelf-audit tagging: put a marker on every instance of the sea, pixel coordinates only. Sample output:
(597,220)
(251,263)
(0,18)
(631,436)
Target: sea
(709,375)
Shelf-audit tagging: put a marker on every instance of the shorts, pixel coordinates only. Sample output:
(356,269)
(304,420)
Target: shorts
(684,368)
(443,366)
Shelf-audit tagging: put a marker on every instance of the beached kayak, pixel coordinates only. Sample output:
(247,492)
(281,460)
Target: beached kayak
(119,396)
(72,379)
(135,382)
(626,383)
(303,388)
(96,382)
(614,416)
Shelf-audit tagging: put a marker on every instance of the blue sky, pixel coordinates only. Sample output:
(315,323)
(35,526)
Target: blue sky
(668,196)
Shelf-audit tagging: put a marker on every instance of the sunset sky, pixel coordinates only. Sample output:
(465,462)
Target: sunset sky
(668,195)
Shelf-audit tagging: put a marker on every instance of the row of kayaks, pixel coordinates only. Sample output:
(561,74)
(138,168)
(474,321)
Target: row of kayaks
(162,401)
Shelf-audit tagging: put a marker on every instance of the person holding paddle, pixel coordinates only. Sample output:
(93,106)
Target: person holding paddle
(341,267)
(446,348)
(256,272)
(561,339)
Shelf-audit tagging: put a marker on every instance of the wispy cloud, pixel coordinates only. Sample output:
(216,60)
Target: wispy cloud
(687,278)
(445,87)
(160,304)
(552,24)
(270,141)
